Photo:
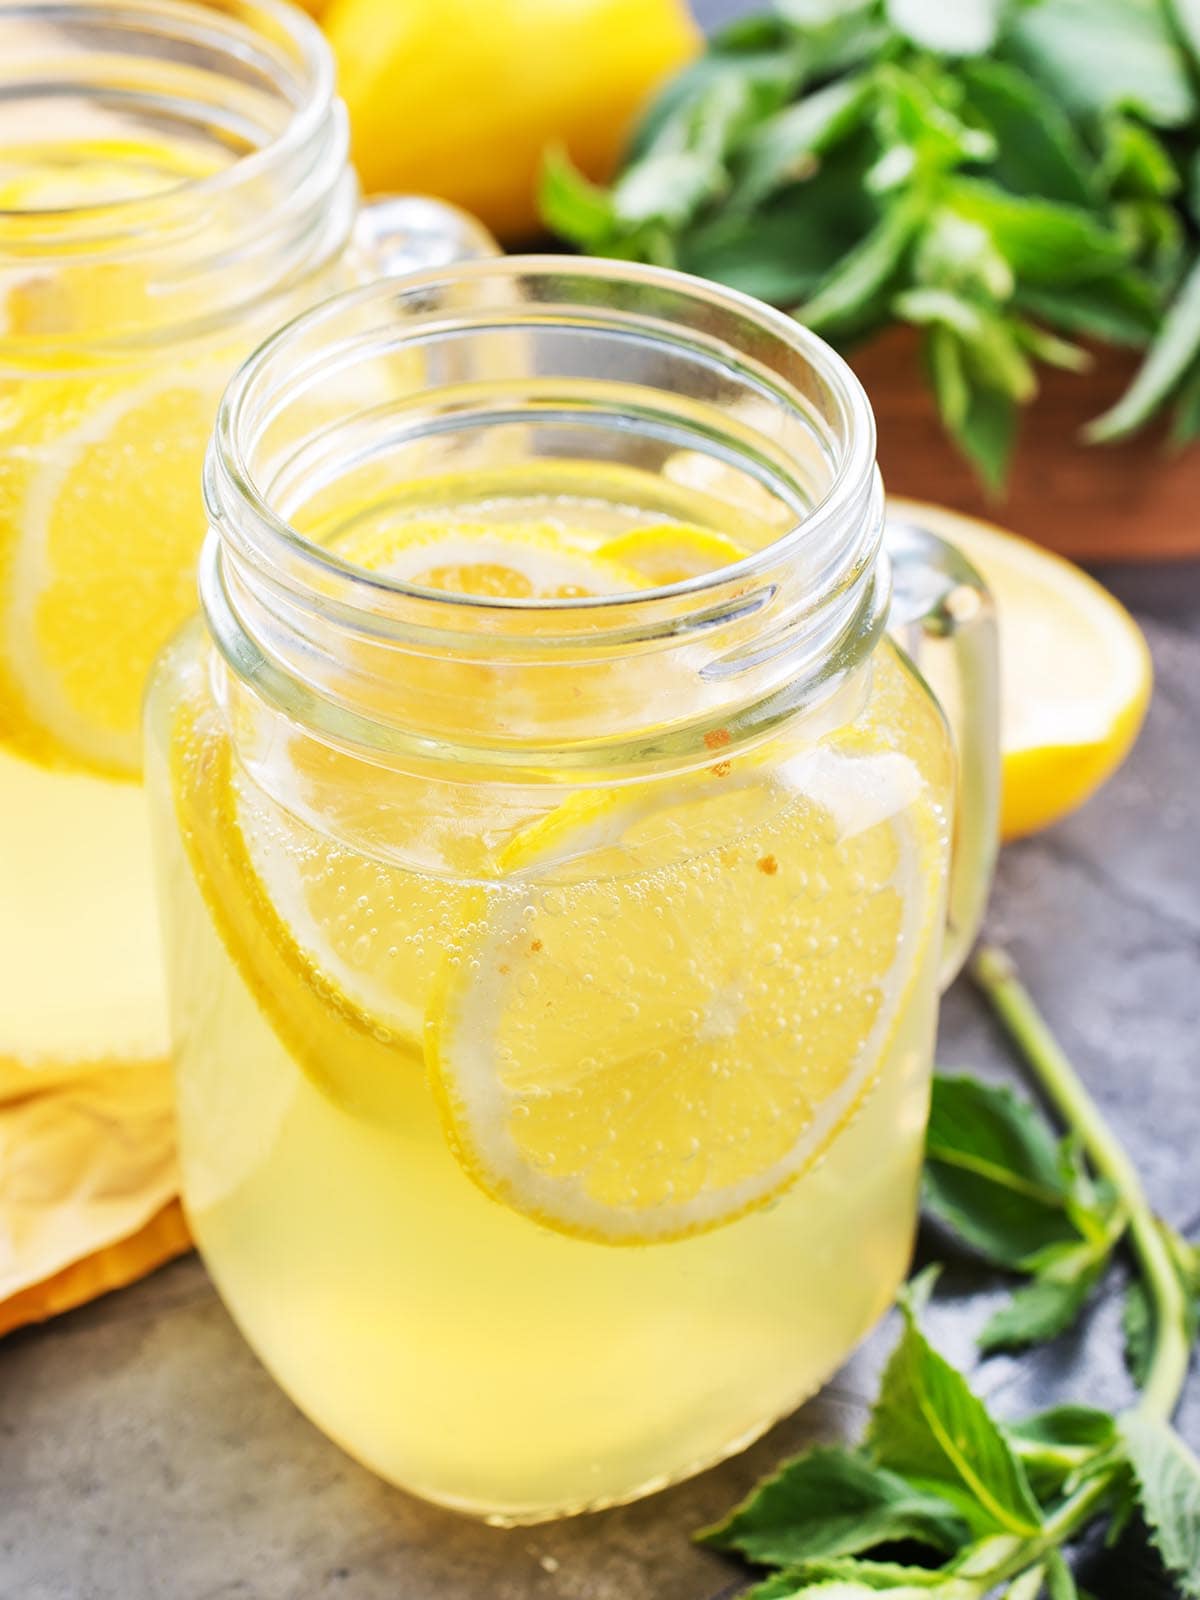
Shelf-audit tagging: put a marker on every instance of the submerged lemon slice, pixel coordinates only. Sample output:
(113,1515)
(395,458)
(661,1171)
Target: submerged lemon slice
(680,998)
(100,521)
(351,1054)
(339,941)
(1075,672)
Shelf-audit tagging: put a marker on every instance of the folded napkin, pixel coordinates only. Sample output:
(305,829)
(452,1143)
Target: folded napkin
(88,1183)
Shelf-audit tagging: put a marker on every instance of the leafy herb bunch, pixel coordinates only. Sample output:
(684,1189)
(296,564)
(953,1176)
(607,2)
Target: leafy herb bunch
(1007,176)
(942,1500)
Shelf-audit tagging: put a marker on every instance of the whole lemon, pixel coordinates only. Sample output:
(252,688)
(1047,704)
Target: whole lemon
(459,98)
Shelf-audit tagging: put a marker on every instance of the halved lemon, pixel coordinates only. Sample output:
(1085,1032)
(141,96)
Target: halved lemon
(100,522)
(676,1000)
(1075,671)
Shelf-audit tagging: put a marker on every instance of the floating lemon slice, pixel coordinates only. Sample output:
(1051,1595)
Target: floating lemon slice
(100,521)
(680,998)
(1074,668)
(488,560)
(672,552)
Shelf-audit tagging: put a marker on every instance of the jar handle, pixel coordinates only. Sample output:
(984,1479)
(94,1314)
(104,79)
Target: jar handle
(942,616)
(399,233)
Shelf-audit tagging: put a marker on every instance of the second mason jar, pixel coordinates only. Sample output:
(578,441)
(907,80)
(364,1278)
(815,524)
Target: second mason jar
(174,184)
(554,854)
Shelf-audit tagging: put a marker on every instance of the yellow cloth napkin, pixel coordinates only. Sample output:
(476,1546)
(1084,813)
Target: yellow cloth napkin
(88,1183)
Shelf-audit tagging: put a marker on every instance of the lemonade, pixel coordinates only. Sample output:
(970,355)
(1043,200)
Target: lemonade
(99,527)
(548,1141)
(174,183)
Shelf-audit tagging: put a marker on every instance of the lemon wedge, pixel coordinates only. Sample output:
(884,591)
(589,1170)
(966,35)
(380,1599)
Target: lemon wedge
(100,521)
(678,999)
(1075,670)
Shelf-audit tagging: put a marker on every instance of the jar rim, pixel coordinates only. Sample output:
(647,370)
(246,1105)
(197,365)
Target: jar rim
(315,80)
(232,489)
(330,644)
(256,76)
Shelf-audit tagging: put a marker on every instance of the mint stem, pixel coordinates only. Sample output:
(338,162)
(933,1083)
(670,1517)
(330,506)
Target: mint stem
(993,971)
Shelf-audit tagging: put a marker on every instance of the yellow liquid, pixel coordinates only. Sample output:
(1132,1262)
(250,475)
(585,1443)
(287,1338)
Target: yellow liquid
(100,523)
(459,1347)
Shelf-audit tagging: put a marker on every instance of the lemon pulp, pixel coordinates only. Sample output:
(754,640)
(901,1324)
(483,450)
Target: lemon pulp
(548,1145)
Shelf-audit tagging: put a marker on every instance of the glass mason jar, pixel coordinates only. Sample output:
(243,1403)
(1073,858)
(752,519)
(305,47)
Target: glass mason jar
(554,969)
(173,185)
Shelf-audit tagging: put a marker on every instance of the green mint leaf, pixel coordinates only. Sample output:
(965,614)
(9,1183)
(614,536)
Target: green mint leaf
(875,1574)
(1121,309)
(928,1425)
(1065,1428)
(1167,1479)
(1135,161)
(1137,1325)
(784,251)
(1175,349)
(1098,55)
(764,58)
(864,273)
(684,165)
(784,149)
(1048,347)
(1061,1444)
(1043,241)
(852,1577)
(1060,1584)
(833,1502)
(1037,1312)
(784,1587)
(988,435)
(991,344)
(1185,422)
(964,28)
(1038,151)
(1028,1586)
(944,361)
(992,1172)
(1153,235)
(1184,16)
(574,206)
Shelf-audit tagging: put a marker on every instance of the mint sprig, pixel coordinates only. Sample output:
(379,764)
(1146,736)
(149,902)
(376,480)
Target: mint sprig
(996,1177)
(1006,176)
(941,1499)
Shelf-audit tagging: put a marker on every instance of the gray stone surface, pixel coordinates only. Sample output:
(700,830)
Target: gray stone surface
(147,1456)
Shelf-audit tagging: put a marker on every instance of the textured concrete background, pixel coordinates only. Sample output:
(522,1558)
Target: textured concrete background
(146,1455)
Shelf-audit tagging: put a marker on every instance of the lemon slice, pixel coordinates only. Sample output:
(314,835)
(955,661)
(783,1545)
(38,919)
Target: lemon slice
(1075,671)
(672,552)
(489,560)
(100,521)
(296,971)
(675,1002)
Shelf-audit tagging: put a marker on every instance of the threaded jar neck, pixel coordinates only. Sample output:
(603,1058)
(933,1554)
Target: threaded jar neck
(527,365)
